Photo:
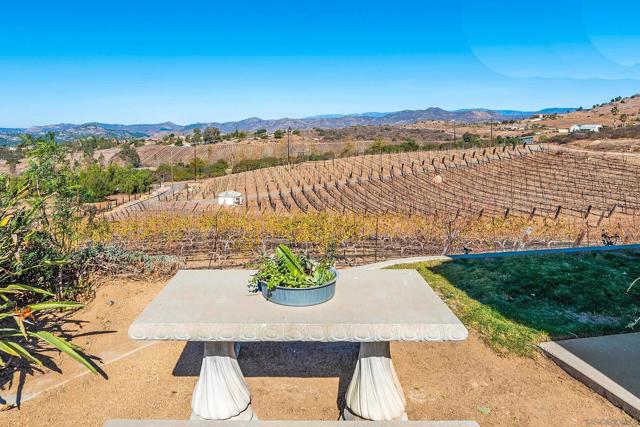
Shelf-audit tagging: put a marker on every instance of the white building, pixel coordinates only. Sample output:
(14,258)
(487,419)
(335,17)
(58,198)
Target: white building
(230,198)
(585,128)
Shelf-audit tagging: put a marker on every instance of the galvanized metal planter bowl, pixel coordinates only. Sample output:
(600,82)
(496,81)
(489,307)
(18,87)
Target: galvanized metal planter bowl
(300,297)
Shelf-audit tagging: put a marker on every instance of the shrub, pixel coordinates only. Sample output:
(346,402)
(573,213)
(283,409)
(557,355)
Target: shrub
(97,182)
(252,164)
(379,147)
(211,135)
(95,262)
(30,255)
(267,162)
(182,172)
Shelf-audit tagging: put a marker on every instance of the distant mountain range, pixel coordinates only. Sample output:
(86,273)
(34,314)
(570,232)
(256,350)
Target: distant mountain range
(69,131)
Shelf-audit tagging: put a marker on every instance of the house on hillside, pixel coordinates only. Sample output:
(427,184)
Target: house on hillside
(585,128)
(230,198)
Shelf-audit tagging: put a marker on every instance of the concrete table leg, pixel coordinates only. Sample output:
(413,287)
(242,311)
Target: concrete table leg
(221,392)
(375,392)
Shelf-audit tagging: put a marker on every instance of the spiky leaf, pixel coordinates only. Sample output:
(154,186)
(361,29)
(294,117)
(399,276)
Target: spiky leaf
(290,261)
(15,349)
(51,305)
(14,288)
(65,347)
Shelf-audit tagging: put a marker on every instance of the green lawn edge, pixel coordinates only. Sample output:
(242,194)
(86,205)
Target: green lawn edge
(516,303)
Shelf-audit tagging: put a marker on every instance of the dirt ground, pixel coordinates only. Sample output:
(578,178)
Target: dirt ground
(441,381)
(622,145)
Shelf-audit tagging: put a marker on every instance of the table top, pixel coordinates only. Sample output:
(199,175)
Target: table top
(368,306)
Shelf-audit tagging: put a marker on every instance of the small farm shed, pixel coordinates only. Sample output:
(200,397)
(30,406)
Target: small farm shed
(230,198)
(585,128)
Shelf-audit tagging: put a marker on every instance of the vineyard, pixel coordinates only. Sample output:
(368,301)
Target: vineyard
(377,206)
(155,155)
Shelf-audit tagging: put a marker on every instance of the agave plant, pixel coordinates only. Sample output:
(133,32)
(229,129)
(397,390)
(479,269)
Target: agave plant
(289,270)
(13,339)
(24,234)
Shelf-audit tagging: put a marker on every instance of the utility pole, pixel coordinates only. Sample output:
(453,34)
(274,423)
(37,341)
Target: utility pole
(454,131)
(289,145)
(172,178)
(491,127)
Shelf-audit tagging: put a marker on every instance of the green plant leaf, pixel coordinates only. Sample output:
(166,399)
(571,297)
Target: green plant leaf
(6,347)
(50,305)
(64,346)
(14,288)
(15,349)
(61,261)
(291,262)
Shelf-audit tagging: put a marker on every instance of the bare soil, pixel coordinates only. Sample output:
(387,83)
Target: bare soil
(622,145)
(303,381)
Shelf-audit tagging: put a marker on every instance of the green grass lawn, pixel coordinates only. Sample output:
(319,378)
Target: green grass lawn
(518,301)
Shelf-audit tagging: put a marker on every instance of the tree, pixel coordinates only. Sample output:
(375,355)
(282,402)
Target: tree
(278,134)
(470,137)
(211,135)
(196,138)
(624,118)
(129,155)
(50,180)
(94,184)
(377,146)
(89,146)
(614,113)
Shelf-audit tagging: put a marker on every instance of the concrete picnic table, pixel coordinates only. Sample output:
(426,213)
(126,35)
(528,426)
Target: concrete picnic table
(369,307)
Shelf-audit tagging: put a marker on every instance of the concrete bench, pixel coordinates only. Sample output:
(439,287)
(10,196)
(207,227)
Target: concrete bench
(214,307)
(208,423)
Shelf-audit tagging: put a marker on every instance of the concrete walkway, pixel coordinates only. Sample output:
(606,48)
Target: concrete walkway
(610,365)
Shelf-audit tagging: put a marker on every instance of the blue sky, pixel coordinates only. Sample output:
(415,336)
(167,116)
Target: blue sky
(153,61)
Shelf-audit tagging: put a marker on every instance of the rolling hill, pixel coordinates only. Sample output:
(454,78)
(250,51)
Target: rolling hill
(69,131)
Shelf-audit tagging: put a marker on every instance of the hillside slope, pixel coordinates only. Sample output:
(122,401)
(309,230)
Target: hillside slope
(601,115)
